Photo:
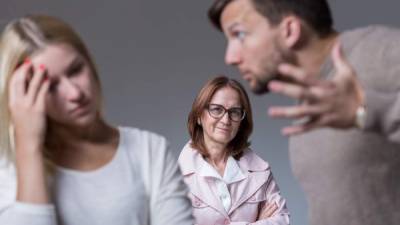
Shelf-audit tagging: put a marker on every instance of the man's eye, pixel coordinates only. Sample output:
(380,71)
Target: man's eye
(239,35)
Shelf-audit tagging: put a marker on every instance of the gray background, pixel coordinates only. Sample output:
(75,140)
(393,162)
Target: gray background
(153,57)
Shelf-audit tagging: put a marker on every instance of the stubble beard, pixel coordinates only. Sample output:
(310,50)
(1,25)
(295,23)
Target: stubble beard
(270,69)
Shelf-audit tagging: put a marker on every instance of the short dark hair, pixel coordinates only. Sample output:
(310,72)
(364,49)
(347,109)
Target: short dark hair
(315,13)
(240,142)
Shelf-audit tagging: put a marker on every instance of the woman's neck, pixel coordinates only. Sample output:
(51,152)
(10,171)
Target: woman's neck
(82,148)
(68,136)
(217,156)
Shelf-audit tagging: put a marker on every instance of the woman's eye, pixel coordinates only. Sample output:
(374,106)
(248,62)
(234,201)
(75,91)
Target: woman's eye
(75,69)
(236,113)
(217,110)
(53,86)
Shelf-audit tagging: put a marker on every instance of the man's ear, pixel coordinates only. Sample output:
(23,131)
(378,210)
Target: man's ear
(291,31)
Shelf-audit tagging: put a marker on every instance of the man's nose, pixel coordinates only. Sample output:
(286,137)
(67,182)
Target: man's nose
(232,55)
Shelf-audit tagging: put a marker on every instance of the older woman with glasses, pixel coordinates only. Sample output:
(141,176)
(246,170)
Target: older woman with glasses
(228,182)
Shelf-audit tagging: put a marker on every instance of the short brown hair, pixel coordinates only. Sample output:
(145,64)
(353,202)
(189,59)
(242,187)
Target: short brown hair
(315,13)
(240,142)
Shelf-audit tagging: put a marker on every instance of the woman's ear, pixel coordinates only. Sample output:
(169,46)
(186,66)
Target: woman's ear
(291,31)
(198,121)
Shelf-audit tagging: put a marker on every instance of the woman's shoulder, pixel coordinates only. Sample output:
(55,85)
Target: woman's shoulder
(252,161)
(142,144)
(134,132)
(189,159)
(143,139)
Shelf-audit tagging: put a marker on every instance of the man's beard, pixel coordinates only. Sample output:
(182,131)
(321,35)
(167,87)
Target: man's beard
(261,85)
(271,71)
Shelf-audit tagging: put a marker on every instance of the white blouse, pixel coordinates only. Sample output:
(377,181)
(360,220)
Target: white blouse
(232,174)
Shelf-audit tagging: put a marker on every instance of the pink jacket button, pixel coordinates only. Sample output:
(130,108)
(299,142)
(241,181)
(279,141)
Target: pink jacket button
(197,202)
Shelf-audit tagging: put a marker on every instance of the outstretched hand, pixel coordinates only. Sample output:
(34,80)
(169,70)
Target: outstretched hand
(322,103)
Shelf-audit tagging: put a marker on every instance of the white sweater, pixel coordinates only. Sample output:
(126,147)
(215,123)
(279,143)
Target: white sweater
(141,185)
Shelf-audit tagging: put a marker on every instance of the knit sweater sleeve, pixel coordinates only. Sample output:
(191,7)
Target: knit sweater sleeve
(380,76)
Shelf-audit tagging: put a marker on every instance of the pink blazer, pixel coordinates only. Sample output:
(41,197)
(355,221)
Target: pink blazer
(248,195)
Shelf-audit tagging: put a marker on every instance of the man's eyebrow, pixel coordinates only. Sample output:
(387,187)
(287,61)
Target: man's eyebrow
(233,25)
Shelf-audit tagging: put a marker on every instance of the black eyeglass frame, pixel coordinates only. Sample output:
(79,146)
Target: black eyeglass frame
(230,111)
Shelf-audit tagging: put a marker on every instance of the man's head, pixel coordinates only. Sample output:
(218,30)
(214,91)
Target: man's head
(262,34)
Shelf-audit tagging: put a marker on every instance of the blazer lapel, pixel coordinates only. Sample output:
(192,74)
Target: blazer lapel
(202,188)
(243,190)
(257,171)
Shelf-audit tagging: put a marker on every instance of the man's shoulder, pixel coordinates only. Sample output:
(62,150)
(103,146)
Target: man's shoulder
(383,41)
(372,33)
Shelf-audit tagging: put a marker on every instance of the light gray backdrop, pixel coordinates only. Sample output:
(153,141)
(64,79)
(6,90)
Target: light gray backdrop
(153,56)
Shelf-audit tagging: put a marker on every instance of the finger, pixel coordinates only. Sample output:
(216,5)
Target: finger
(339,60)
(271,210)
(314,123)
(270,206)
(17,83)
(322,89)
(290,90)
(294,73)
(41,96)
(296,112)
(295,130)
(36,82)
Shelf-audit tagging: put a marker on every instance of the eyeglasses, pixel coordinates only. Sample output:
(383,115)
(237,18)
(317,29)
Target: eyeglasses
(217,111)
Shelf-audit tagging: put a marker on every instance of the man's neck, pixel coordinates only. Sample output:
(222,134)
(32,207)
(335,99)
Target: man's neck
(315,53)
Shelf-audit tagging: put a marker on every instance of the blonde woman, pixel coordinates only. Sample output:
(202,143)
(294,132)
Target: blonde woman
(60,161)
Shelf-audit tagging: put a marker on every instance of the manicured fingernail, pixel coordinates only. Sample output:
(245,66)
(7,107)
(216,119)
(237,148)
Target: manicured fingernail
(42,67)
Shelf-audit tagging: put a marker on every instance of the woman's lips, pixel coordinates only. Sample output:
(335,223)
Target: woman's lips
(80,109)
(226,130)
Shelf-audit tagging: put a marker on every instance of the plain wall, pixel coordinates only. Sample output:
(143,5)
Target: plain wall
(153,57)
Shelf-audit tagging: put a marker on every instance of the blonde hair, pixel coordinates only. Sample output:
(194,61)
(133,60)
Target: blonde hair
(20,39)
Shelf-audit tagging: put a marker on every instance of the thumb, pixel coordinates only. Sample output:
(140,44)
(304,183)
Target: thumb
(339,60)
